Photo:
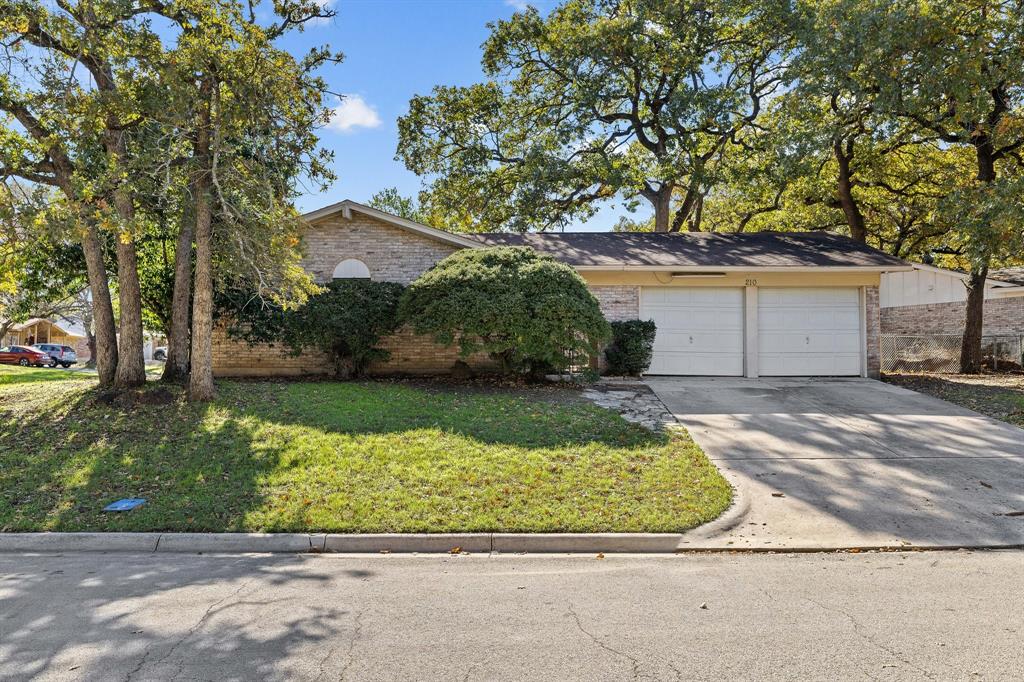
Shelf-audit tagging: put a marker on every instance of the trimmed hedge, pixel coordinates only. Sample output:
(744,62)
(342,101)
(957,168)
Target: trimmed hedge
(632,346)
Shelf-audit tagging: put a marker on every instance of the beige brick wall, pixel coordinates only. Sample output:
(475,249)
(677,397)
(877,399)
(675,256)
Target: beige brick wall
(391,253)
(1002,316)
(873,329)
(618,302)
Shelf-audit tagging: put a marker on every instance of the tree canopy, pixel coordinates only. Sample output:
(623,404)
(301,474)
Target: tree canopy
(601,98)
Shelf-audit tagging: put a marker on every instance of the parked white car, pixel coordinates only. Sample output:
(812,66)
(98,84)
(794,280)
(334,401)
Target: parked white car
(59,354)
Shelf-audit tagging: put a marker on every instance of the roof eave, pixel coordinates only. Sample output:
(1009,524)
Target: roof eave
(347,206)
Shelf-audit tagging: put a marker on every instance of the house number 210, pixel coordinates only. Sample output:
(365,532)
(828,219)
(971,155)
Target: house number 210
(751,283)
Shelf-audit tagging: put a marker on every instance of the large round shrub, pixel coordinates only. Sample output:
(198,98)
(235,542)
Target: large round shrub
(527,310)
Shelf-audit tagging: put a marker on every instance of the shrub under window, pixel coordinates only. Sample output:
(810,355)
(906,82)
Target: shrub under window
(347,321)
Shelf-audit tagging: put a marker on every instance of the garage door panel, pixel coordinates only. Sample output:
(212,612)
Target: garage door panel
(696,363)
(699,330)
(809,332)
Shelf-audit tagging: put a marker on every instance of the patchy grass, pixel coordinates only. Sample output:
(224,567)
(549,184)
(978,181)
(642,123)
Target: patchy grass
(997,395)
(342,457)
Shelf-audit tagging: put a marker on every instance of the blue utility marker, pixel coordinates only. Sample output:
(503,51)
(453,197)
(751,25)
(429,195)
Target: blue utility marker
(126,504)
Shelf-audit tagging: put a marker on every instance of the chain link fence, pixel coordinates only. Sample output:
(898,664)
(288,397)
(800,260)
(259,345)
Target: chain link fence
(940,353)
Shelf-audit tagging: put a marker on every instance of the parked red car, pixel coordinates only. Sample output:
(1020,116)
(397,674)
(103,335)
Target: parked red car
(24,356)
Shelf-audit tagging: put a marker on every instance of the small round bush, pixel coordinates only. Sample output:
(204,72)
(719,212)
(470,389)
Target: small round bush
(631,348)
(529,312)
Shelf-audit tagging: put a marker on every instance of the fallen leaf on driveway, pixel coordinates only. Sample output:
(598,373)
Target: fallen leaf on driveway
(778,494)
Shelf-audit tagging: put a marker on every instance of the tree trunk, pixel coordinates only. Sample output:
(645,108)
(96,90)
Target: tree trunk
(854,218)
(200,383)
(662,201)
(90,340)
(974,322)
(970,350)
(104,356)
(131,364)
(178,338)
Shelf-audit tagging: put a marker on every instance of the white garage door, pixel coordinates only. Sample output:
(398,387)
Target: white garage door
(809,332)
(700,330)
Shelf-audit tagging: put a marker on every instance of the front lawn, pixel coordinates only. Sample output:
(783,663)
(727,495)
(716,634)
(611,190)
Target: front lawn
(342,457)
(997,395)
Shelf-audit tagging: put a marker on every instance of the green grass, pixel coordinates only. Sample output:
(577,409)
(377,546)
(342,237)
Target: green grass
(12,374)
(342,457)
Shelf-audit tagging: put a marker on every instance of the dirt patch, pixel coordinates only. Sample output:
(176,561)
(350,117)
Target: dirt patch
(141,396)
(997,395)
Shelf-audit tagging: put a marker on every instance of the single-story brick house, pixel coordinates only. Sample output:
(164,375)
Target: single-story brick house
(928,300)
(759,304)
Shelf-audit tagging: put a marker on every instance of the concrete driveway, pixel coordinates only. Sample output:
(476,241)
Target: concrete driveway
(821,463)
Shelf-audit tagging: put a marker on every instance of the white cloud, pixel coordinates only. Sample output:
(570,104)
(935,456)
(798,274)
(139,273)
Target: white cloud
(518,5)
(353,112)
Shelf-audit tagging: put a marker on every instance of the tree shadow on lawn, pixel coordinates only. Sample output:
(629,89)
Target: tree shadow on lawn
(494,417)
(161,616)
(61,464)
(323,456)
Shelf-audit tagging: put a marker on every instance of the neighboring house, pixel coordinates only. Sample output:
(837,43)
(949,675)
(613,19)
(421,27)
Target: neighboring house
(928,300)
(759,304)
(40,330)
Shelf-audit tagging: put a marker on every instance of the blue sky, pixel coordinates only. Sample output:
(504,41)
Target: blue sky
(395,49)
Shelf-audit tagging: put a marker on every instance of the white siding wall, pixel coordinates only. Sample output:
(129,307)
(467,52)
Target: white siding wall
(923,286)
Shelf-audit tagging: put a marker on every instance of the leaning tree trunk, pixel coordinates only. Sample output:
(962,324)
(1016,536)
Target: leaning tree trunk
(844,188)
(970,349)
(200,382)
(104,355)
(176,367)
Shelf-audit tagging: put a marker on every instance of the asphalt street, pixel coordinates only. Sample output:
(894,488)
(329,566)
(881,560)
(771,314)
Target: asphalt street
(889,616)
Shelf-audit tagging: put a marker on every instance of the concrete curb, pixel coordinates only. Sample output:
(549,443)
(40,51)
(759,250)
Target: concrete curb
(730,518)
(299,543)
(408,543)
(79,542)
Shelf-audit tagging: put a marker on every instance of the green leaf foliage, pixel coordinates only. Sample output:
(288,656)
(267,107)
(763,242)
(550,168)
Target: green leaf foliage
(527,310)
(346,320)
(631,348)
(596,100)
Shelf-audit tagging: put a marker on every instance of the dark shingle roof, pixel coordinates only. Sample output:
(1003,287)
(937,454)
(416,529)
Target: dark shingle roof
(1008,275)
(698,249)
